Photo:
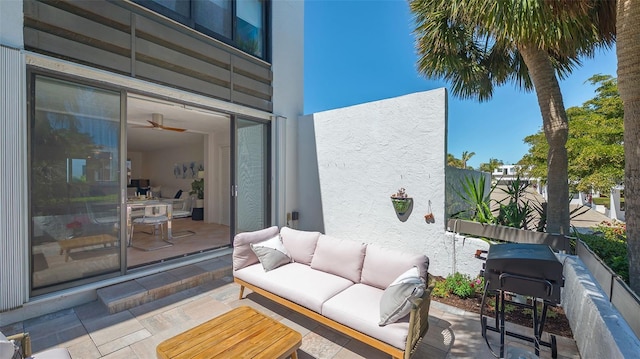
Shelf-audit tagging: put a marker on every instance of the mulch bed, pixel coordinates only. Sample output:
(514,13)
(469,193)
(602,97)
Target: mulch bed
(556,322)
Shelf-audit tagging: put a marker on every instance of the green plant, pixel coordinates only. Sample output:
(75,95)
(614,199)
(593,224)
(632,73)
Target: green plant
(517,213)
(614,230)
(550,313)
(612,251)
(473,193)
(197,188)
(508,308)
(459,284)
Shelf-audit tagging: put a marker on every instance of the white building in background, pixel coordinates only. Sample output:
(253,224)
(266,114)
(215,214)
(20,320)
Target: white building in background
(506,174)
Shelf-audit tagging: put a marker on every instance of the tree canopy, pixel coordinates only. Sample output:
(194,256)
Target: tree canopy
(460,162)
(477,45)
(595,142)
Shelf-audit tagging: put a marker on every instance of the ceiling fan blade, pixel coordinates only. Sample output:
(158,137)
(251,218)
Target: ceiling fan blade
(172,128)
(154,124)
(140,126)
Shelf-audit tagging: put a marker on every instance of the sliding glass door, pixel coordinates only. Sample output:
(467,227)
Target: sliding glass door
(251,176)
(74,182)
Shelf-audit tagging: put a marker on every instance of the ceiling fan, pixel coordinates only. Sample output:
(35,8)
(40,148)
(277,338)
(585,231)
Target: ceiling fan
(156,124)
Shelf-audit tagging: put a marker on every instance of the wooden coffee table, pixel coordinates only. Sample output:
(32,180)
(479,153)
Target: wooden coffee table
(240,333)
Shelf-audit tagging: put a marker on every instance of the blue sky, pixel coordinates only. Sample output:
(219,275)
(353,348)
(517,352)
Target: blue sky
(362,51)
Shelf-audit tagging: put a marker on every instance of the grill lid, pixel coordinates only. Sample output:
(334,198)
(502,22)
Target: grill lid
(527,269)
(524,259)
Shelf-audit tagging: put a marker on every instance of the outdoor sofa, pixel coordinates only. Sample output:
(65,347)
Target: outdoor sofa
(373,294)
(19,346)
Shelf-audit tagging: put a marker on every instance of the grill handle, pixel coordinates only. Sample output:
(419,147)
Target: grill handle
(505,276)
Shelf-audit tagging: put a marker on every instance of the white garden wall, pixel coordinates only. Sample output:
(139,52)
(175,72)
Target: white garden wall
(363,155)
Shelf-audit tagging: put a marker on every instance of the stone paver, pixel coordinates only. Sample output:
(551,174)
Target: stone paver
(89,331)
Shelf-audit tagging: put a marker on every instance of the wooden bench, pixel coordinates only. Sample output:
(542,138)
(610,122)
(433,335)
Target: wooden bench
(66,245)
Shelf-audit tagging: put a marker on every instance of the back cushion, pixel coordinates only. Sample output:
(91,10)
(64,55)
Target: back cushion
(299,244)
(243,255)
(382,266)
(339,257)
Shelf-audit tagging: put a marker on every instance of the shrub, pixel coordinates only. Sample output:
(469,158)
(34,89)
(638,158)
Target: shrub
(615,230)
(459,284)
(610,248)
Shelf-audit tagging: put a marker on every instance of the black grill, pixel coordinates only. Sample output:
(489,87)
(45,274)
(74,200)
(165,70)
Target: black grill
(526,269)
(531,270)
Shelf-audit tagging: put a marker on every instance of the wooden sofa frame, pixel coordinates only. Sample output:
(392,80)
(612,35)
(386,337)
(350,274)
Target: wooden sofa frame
(418,319)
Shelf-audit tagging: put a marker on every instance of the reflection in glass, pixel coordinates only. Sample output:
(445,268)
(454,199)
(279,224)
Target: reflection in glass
(181,7)
(214,15)
(251,173)
(250,26)
(75,139)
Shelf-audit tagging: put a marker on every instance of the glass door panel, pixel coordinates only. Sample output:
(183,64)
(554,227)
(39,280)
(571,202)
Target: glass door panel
(251,176)
(74,182)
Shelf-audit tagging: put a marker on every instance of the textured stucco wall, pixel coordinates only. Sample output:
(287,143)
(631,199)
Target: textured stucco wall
(365,153)
(599,329)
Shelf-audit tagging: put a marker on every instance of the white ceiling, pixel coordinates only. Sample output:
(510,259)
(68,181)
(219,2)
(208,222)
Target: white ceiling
(196,122)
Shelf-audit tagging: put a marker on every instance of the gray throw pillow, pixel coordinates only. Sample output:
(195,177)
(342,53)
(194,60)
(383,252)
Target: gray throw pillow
(396,299)
(271,253)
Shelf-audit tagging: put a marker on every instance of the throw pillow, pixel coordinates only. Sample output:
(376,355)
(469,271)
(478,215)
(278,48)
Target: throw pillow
(178,194)
(396,299)
(271,253)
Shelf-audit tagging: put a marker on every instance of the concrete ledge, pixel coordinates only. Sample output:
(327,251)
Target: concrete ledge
(598,328)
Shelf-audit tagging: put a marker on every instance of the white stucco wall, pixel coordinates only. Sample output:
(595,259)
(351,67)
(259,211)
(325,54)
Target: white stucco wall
(287,36)
(11,19)
(365,153)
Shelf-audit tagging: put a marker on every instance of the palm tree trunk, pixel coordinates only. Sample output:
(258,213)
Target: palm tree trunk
(628,48)
(556,130)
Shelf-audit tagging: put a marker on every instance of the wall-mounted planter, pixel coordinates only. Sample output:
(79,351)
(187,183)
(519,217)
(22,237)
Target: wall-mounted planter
(401,205)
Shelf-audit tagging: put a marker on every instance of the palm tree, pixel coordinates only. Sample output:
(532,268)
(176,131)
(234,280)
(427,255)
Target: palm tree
(491,165)
(479,44)
(466,156)
(628,48)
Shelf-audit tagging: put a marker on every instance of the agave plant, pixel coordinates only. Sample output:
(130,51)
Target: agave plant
(473,193)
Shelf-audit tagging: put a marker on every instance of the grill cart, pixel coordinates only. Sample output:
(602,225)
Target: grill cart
(525,269)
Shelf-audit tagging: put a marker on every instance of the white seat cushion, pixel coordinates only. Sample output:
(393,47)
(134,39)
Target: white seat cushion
(358,307)
(296,282)
(57,353)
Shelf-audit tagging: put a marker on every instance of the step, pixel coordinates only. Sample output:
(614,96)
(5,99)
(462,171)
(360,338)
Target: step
(129,294)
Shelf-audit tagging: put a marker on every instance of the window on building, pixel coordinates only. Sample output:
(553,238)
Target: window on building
(249,26)
(216,18)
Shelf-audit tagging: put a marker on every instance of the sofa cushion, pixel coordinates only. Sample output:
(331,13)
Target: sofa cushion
(396,299)
(296,282)
(300,244)
(339,257)
(56,353)
(271,253)
(8,349)
(382,265)
(358,307)
(242,253)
